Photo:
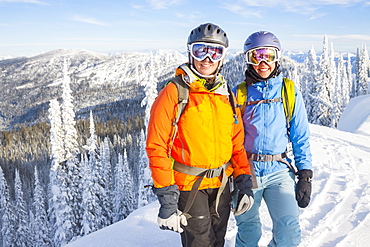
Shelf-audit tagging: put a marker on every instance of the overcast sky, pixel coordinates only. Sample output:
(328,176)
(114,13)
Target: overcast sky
(30,27)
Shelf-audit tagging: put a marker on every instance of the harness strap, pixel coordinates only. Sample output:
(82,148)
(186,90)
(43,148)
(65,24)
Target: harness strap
(268,101)
(201,173)
(271,157)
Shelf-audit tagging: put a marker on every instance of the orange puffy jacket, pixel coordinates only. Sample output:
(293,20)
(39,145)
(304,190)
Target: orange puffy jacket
(207,137)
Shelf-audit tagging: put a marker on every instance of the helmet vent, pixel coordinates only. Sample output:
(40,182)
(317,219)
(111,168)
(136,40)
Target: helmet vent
(209,27)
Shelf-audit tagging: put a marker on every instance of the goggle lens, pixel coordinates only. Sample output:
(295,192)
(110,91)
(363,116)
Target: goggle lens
(201,50)
(267,54)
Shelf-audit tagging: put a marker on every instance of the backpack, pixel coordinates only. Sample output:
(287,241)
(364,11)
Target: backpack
(183,92)
(287,93)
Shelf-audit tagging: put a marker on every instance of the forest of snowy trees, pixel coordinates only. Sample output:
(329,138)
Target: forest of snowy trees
(81,176)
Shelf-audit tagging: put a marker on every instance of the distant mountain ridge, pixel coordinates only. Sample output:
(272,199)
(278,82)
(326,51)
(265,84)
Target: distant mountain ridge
(97,80)
(110,85)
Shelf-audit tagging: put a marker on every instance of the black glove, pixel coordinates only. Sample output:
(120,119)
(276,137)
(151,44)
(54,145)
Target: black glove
(245,194)
(169,217)
(303,188)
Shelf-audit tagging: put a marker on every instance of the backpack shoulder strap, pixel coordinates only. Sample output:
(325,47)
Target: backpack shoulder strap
(183,92)
(288,95)
(241,95)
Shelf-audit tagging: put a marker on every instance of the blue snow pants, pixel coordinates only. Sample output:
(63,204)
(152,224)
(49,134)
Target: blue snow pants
(278,191)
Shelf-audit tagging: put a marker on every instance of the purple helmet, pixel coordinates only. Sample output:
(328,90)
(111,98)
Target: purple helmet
(261,38)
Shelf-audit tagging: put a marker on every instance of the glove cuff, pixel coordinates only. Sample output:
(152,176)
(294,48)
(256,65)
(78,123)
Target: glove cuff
(305,175)
(244,183)
(168,197)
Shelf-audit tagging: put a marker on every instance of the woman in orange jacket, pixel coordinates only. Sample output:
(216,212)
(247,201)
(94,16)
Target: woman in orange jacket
(192,157)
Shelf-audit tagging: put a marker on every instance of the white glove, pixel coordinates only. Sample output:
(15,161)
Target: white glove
(245,203)
(173,222)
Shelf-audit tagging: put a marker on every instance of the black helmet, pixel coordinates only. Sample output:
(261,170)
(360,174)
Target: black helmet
(209,33)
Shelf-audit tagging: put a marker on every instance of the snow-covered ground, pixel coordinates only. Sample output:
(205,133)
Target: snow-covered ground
(339,212)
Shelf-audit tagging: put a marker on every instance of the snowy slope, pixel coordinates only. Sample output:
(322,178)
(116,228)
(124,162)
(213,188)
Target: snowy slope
(338,215)
(356,117)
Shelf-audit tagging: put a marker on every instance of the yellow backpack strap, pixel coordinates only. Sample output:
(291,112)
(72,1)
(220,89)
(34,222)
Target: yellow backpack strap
(241,95)
(288,95)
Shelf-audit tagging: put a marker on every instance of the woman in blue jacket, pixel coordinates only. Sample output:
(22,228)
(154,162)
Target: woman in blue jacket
(267,134)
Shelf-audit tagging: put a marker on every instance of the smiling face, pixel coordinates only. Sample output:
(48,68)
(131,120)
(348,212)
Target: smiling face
(206,67)
(264,69)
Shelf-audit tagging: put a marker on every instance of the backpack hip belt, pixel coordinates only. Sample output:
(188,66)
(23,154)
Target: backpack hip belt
(201,173)
(271,157)
(267,157)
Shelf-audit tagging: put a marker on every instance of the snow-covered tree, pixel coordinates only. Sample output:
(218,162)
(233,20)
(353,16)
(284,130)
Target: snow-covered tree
(346,83)
(321,97)
(22,231)
(362,72)
(56,132)
(340,92)
(145,193)
(97,181)
(93,138)
(41,234)
(150,89)
(108,179)
(350,76)
(124,197)
(68,117)
(7,235)
(62,212)
(65,201)
(309,81)
(90,201)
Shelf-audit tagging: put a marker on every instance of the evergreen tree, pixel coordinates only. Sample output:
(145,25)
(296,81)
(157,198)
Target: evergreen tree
(309,82)
(90,201)
(56,132)
(105,157)
(65,177)
(124,198)
(6,213)
(350,76)
(119,200)
(150,89)
(345,86)
(41,237)
(22,232)
(362,73)
(321,98)
(340,92)
(97,179)
(68,117)
(73,182)
(146,195)
(62,213)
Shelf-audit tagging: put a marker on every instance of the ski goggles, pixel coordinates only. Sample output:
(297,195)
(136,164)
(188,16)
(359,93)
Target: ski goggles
(266,54)
(200,51)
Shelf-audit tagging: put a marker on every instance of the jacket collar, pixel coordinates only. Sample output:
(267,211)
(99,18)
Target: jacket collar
(197,84)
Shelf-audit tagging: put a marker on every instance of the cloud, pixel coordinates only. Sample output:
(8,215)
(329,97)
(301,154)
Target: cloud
(88,20)
(24,1)
(157,4)
(241,10)
(163,4)
(253,8)
(339,37)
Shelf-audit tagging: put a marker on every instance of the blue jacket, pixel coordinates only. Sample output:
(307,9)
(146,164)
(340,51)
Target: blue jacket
(266,130)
